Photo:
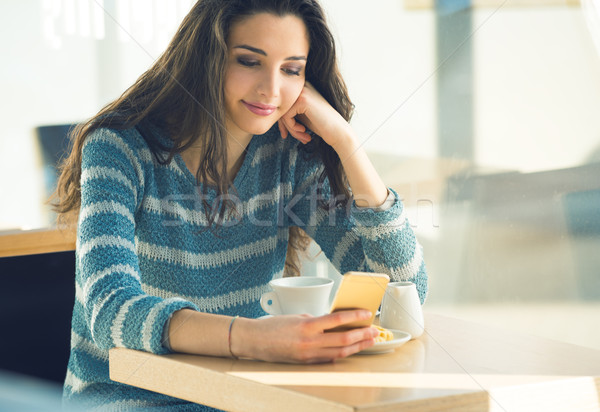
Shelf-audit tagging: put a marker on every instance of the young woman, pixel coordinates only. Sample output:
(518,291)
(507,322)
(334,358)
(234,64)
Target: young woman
(202,182)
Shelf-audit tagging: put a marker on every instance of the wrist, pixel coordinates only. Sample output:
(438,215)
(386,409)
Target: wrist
(346,144)
(233,319)
(240,340)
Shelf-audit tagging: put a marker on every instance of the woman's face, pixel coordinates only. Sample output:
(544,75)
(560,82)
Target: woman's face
(265,71)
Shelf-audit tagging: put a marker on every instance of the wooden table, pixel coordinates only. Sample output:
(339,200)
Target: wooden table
(455,366)
(32,242)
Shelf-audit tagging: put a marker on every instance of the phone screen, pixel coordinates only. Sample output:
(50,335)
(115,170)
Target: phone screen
(360,290)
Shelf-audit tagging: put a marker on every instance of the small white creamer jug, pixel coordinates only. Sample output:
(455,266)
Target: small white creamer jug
(401,309)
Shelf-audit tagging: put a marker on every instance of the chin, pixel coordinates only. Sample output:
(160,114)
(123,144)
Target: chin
(261,129)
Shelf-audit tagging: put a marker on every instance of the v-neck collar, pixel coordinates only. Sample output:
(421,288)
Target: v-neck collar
(189,176)
(237,180)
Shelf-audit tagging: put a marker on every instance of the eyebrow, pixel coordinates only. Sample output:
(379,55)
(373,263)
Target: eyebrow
(264,53)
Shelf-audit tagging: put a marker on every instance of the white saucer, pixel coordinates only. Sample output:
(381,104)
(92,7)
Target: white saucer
(400,338)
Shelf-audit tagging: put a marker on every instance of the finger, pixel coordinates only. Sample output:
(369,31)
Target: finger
(355,348)
(294,125)
(347,338)
(282,129)
(289,121)
(302,119)
(299,127)
(302,136)
(295,121)
(296,129)
(340,318)
(331,354)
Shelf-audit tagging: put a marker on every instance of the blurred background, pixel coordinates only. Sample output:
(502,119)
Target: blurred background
(482,115)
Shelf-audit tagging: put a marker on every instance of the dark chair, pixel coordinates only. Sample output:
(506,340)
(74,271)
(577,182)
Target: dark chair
(54,145)
(37,296)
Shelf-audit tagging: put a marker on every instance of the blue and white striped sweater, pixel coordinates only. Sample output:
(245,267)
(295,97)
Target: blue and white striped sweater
(143,251)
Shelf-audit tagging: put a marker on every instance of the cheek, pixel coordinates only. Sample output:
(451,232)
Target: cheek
(290,94)
(235,80)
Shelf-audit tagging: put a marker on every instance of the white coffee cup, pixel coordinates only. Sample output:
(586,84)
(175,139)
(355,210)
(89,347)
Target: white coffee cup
(298,295)
(401,309)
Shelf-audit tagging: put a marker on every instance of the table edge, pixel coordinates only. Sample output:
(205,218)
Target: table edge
(33,242)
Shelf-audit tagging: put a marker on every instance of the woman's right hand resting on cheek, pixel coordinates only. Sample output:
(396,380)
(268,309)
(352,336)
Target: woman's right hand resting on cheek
(301,338)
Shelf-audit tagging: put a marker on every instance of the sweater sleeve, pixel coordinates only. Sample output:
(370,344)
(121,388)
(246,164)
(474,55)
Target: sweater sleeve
(117,312)
(360,239)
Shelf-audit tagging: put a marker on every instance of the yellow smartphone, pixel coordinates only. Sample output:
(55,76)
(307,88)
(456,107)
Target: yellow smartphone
(360,290)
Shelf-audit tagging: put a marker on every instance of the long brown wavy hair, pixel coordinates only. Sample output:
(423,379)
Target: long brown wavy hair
(183,95)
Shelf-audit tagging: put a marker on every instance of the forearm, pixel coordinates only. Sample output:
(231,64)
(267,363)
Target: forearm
(202,333)
(286,338)
(367,187)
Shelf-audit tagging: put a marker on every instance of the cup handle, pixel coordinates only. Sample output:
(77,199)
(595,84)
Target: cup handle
(270,304)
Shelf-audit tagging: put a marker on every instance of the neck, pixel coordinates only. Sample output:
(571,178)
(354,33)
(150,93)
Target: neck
(236,150)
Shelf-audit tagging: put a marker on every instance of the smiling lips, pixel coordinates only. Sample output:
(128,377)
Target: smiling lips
(259,108)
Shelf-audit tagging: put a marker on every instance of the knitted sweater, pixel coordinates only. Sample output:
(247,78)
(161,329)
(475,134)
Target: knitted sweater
(143,251)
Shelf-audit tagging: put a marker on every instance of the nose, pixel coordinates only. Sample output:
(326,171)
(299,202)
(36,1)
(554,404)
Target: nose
(269,84)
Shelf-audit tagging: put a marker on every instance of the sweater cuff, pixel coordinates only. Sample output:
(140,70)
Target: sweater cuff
(387,203)
(390,211)
(158,344)
(165,337)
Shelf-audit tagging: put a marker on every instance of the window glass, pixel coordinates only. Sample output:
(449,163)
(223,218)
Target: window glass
(482,116)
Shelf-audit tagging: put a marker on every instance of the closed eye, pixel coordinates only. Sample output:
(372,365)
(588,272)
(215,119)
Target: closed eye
(247,62)
(292,72)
